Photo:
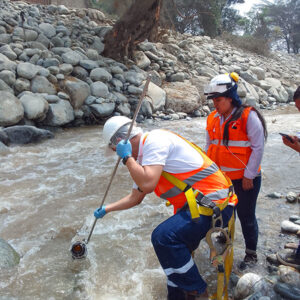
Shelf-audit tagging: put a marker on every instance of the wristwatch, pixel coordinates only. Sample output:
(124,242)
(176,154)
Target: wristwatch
(124,160)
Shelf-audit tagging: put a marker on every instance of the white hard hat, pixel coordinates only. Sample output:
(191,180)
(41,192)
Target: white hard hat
(220,84)
(112,125)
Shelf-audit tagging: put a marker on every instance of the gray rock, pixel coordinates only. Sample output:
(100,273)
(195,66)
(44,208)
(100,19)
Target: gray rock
(289,226)
(78,91)
(8,256)
(5,87)
(35,106)
(40,84)
(66,69)
(22,84)
(59,114)
(245,285)
(102,110)
(89,64)
(27,70)
(48,30)
(134,77)
(26,134)
(71,57)
(7,51)
(99,89)
(11,109)
(291,197)
(100,74)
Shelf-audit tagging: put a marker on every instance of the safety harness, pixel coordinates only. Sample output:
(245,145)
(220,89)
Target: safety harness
(200,205)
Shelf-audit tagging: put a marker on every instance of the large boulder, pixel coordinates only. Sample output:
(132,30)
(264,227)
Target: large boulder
(59,114)
(156,96)
(11,109)
(179,100)
(78,91)
(26,134)
(8,256)
(35,106)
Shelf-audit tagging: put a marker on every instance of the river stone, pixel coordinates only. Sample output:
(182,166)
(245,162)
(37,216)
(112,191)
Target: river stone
(7,51)
(103,110)
(48,30)
(35,106)
(289,275)
(71,57)
(59,114)
(291,197)
(99,89)
(8,256)
(289,226)
(41,84)
(26,134)
(245,285)
(27,70)
(78,91)
(287,291)
(177,99)
(100,74)
(8,77)
(11,109)
(5,87)
(141,60)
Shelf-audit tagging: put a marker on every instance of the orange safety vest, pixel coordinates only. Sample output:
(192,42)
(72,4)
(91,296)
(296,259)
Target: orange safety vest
(208,180)
(234,158)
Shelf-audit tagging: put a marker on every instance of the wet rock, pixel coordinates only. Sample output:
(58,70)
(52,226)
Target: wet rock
(11,110)
(289,226)
(60,113)
(274,195)
(35,106)
(8,256)
(26,134)
(291,197)
(289,275)
(245,285)
(287,291)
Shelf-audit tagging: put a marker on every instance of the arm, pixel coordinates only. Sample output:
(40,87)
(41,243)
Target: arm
(294,145)
(255,135)
(131,200)
(146,177)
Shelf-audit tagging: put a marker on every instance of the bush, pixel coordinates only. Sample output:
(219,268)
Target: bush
(253,44)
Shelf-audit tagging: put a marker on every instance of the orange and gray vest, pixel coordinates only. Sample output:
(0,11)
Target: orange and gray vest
(206,181)
(231,159)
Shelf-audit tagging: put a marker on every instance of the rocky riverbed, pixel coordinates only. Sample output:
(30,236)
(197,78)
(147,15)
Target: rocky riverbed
(52,73)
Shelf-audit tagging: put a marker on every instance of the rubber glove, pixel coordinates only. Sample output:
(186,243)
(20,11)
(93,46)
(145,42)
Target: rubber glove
(100,212)
(124,148)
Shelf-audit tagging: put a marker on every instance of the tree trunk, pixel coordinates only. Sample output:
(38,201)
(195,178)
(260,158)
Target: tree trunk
(140,22)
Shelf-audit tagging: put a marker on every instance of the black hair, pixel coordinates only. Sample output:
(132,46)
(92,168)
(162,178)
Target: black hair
(236,115)
(297,94)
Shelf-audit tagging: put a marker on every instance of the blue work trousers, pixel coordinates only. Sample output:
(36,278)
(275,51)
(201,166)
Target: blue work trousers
(174,240)
(246,212)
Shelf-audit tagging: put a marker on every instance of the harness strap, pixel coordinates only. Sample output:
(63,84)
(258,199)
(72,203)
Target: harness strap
(192,197)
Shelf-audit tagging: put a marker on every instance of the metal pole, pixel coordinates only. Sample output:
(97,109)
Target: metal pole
(118,161)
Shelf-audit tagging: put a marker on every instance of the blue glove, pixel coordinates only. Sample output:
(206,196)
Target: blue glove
(100,212)
(124,148)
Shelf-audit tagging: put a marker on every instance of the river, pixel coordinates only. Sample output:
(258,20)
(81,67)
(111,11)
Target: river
(50,190)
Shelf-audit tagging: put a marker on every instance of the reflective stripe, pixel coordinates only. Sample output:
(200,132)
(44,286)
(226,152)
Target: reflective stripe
(181,270)
(218,195)
(226,169)
(232,143)
(191,180)
(170,283)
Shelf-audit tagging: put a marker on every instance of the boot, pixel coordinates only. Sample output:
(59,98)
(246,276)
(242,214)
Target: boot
(250,260)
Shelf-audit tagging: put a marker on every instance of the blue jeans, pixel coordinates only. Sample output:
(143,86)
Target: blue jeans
(173,241)
(246,212)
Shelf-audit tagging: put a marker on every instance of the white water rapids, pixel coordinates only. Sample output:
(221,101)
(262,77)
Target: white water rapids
(49,192)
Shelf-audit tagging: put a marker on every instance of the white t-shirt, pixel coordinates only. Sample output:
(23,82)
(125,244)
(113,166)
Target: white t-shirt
(169,150)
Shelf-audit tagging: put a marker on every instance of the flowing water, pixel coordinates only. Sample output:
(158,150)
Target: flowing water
(49,192)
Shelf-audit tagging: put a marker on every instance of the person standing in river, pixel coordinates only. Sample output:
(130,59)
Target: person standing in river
(179,172)
(235,139)
(291,257)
